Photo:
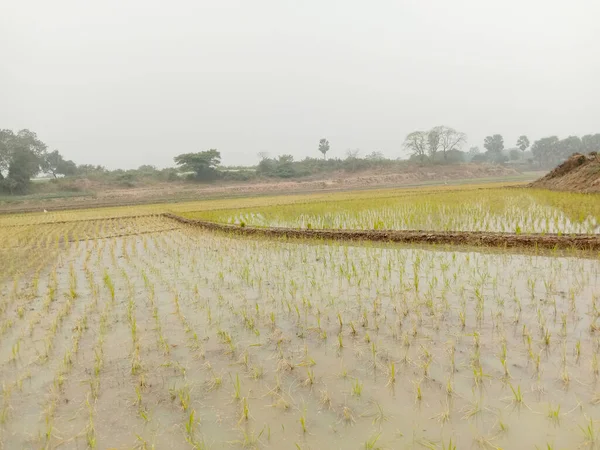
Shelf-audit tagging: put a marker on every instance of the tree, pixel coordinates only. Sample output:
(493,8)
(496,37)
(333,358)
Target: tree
(494,144)
(324,147)
(566,147)
(352,153)
(544,149)
(375,156)
(473,151)
(54,164)
(263,155)
(433,141)
(591,143)
(449,139)
(24,165)
(5,151)
(203,164)
(523,143)
(147,168)
(284,167)
(416,143)
(90,169)
(21,158)
(550,151)
(514,154)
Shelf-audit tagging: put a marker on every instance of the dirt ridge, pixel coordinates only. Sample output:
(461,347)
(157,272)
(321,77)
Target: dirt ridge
(474,238)
(579,173)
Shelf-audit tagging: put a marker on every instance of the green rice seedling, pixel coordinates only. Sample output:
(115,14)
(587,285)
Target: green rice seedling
(245,414)
(418,391)
(517,394)
(449,386)
(237,388)
(257,372)
(303,421)
(72,282)
(90,430)
(190,428)
(392,374)
(310,377)
(109,284)
(370,444)
(352,328)
(98,360)
(15,350)
(449,446)
(547,337)
(357,388)
(554,413)
(589,432)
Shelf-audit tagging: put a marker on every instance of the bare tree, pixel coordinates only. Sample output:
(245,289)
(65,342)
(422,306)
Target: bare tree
(375,156)
(450,139)
(416,143)
(263,155)
(352,153)
(434,137)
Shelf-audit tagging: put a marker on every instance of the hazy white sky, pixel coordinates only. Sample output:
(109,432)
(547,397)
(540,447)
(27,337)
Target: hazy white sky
(129,82)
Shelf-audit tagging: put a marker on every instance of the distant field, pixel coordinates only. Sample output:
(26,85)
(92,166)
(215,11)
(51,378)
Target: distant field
(121,328)
(111,196)
(228,203)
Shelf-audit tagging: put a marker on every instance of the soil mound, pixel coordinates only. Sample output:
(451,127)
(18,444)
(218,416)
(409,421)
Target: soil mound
(579,173)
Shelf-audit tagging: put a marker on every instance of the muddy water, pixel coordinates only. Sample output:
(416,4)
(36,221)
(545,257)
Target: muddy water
(304,345)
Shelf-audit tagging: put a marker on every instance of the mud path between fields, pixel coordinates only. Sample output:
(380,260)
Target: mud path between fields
(474,238)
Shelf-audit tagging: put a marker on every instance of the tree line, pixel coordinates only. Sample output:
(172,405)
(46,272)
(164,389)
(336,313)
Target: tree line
(547,152)
(24,156)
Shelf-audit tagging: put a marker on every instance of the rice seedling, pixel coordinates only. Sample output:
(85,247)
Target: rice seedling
(370,444)
(357,388)
(236,387)
(517,395)
(589,432)
(554,413)
(303,420)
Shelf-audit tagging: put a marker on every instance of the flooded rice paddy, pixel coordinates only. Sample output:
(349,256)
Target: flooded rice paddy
(491,210)
(145,333)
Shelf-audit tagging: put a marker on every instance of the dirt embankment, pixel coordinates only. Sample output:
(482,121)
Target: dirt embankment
(579,173)
(484,239)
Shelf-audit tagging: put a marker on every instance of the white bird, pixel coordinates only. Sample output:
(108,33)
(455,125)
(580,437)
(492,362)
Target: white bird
(45,211)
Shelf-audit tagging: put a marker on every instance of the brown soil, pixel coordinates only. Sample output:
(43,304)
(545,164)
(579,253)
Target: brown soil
(485,239)
(580,173)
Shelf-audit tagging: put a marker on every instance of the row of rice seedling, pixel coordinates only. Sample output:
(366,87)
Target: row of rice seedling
(499,210)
